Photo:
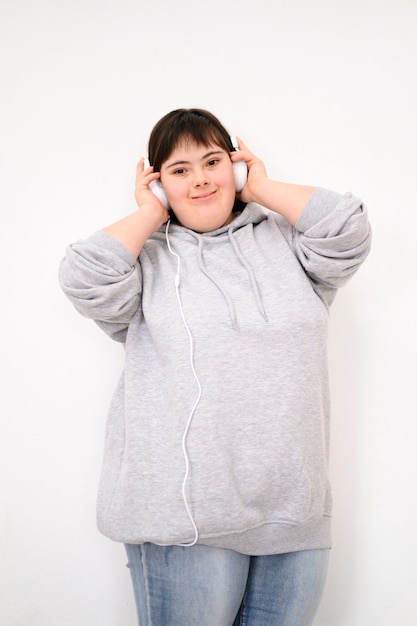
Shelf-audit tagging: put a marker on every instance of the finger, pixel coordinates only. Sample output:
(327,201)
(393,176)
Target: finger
(243,153)
(241,144)
(144,165)
(144,169)
(140,167)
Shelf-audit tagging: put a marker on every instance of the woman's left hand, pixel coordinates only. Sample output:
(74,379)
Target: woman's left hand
(287,199)
(256,172)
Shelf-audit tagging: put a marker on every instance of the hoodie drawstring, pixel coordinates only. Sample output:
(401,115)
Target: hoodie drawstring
(243,261)
(248,268)
(231,307)
(251,273)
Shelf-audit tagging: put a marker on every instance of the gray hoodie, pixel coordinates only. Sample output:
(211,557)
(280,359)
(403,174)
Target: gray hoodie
(218,430)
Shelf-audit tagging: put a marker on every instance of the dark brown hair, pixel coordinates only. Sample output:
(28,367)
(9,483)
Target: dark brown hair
(195,125)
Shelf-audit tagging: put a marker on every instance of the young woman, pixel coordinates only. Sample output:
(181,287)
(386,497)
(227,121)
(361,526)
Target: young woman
(215,473)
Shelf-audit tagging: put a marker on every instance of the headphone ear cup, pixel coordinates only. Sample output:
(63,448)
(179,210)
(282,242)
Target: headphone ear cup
(240,173)
(157,189)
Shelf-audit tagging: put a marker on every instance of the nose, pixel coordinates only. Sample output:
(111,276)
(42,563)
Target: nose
(200,178)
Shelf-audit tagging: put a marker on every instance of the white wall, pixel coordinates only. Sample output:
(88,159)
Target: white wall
(325,91)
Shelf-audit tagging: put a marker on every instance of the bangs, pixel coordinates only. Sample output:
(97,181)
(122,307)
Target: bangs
(199,132)
(193,126)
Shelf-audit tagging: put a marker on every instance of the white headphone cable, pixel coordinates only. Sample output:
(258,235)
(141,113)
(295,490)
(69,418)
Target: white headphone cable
(190,417)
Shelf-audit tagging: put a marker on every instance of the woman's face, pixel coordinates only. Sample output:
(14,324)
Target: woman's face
(198,181)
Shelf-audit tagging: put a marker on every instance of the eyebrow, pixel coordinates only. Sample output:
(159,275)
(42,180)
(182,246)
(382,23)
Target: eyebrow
(205,156)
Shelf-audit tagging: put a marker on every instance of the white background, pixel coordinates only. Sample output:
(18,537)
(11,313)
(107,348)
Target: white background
(325,92)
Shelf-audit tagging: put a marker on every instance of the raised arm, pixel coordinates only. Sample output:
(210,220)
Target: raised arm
(328,232)
(135,229)
(286,199)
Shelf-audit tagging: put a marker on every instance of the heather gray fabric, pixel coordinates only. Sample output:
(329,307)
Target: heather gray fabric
(255,295)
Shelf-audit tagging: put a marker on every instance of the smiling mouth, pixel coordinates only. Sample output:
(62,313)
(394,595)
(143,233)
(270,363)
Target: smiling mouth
(204,196)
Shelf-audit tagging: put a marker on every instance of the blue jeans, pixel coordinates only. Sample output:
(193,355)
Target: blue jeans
(199,585)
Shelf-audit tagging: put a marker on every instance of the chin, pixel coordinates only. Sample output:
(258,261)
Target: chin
(212,225)
(205,225)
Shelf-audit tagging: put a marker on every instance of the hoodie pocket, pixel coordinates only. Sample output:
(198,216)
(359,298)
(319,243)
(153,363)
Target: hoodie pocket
(291,495)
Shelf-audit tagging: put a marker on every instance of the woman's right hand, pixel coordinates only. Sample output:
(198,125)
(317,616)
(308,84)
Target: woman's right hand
(135,229)
(146,200)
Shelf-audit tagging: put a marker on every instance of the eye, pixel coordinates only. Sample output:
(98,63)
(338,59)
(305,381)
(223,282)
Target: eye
(212,162)
(179,171)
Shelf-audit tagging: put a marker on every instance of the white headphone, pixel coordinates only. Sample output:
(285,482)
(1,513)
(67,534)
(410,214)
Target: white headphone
(240,174)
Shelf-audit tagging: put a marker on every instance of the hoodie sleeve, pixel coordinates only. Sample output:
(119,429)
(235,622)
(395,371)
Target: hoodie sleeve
(103,281)
(331,238)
